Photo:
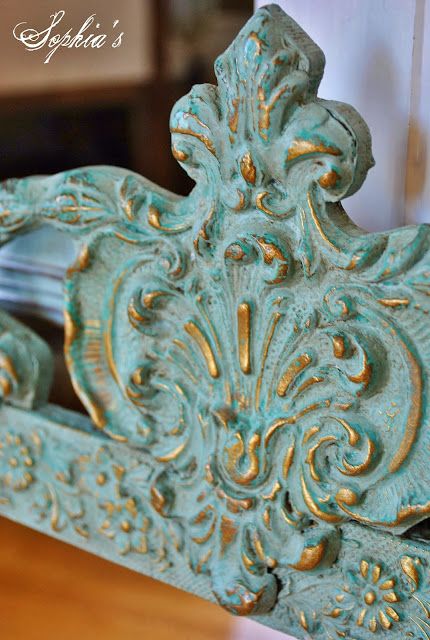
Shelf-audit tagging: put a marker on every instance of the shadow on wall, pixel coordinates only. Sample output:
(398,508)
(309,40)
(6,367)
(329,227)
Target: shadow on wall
(417,167)
(378,86)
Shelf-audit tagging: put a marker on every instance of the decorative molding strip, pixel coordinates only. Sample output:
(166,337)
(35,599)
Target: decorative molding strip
(256,366)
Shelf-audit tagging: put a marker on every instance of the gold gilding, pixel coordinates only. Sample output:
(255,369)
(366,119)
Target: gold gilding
(392,613)
(413,420)
(288,461)
(311,557)
(236,452)
(259,202)
(347,496)
(310,433)
(314,508)
(318,226)
(228,532)
(81,263)
(244,336)
(300,147)
(179,155)
(364,376)
(394,302)
(158,501)
(172,455)
(357,469)
(247,168)
(200,136)
(204,346)
(274,321)
(353,436)
(338,346)
(329,179)
(70,335)
(270,253)
(410,571)
(295,368)
(310,458)
(234,116)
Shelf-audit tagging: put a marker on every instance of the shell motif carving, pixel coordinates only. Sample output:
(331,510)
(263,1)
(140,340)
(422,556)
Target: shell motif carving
(268,354)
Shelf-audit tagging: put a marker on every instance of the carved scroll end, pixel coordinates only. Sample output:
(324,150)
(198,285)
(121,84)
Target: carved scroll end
(26,365)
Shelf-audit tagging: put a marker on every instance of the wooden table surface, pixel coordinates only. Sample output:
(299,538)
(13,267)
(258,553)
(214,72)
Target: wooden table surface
(50,590)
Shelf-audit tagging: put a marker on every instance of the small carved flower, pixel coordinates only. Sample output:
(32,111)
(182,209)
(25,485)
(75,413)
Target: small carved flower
(372,594)
(17,459)
(101,476)
(126,524)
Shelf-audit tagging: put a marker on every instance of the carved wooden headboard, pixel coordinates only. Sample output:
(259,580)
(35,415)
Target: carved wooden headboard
(254,365)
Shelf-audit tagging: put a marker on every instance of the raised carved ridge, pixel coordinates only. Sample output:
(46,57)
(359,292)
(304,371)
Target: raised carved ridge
(269,357)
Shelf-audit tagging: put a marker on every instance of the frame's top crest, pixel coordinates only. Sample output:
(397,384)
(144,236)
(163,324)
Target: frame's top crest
(264,122)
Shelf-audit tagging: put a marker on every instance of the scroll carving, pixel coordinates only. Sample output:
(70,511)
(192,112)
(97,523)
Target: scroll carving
(25,365)
(269,357)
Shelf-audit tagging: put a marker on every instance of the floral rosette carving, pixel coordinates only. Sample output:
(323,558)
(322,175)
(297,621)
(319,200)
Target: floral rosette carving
(267,354)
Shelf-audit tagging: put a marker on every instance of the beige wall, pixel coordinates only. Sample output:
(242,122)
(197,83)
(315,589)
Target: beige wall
(23,71)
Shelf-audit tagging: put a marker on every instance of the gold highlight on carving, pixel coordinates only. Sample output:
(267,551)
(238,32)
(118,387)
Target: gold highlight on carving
(172,455)
(308,383)
(318,226)
(206,536)
(259,202)
(394,302)
(414,417)
(204,346)
(365,374)
(274,321)
(310,458)
(329,179)
(70,335)
(346,496)
(311,557)
(410,571)
(179,155)
(314,508)
(228,532)
(247,168)
(241,202)
(338,346)
(244,336)
(273,492)
(392,613)
(353,436)
(234,117)
(288,461)
(270,253)
(391,597)
(357,469)
(82,262)
(235,453)
(364,568)
(303,621)
(200,136)
(301,147)
(292,371)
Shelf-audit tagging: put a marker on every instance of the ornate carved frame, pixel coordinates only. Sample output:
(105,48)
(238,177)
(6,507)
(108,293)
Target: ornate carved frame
(254,365)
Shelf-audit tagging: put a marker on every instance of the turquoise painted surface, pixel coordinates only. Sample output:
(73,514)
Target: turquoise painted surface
(254,365)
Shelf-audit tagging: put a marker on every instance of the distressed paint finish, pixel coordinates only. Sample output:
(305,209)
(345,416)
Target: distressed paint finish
(254,365)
